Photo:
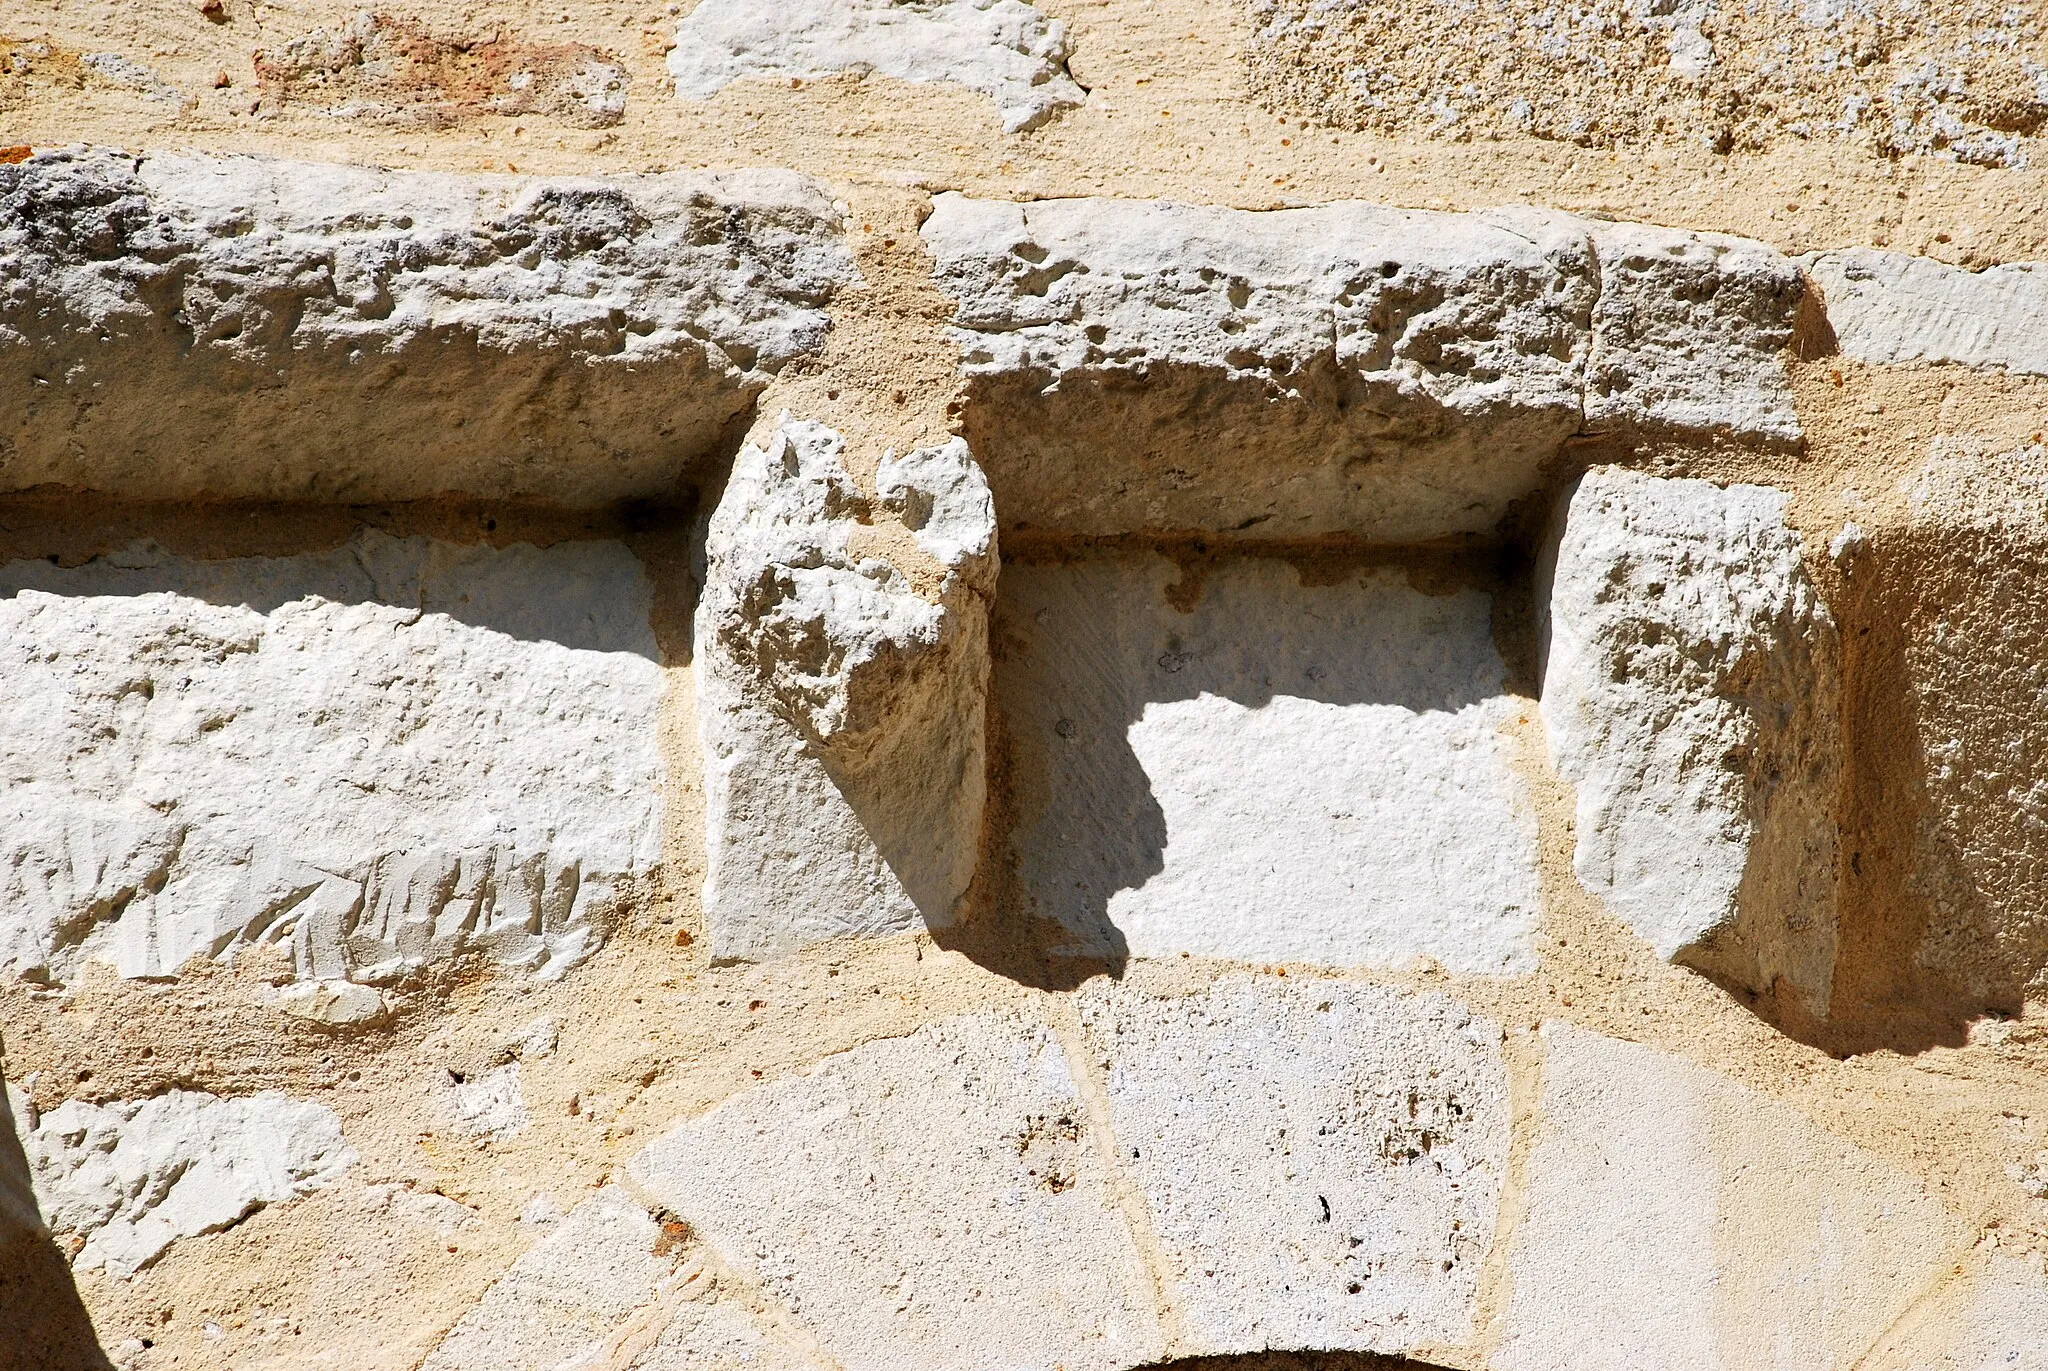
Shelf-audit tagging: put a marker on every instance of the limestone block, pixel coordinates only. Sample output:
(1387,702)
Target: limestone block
(1393,373)
(1963,586)
(1690,689)
(1691,334)
(332,1004)
(720,1335)
(19,1215)
(133,1176)
(1993,1318)
(174,325)
(1888,308)
(380,756)
(560,1302)
(922,1203)
(1005,49)
(1677,1220)
(842,683)
(1322,1162)
(1293,768)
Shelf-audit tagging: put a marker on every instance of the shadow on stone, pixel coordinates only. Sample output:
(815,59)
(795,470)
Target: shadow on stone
(43,1323)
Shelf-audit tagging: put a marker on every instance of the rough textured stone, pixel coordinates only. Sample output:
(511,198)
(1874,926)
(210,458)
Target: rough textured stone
(1283,771)
(1888,307)
(1007,50)
(1690,689)
(1962,586)
(1995,1318)
(381,756)
(172,325)
(1691,334)
(919,1203)
(561,1300)
(1395,373)
(841,690)
(132,1177)
(1322,1162)
(378,68)
(1677,1220)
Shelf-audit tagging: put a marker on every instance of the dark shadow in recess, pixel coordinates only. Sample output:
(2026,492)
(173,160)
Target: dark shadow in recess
(43,1323)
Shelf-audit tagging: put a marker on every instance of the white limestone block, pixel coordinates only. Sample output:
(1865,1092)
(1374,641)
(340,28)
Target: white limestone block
(922,1203)
(559,1303)
(488,1105)
(1005,49)
(1284,772)
(1676,1221)
(1888,308)
(174,325)
(1322,1161)
(333,1004)
(1145,365)
(384,755)
(1993,1318)
(1691,334)
(712,1334)
(1690,689)
(840,700)
(133,1176)
(19,1215)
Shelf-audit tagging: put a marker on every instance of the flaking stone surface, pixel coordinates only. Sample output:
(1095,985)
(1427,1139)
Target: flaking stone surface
(1888,308)
(131,1177)
(379,756)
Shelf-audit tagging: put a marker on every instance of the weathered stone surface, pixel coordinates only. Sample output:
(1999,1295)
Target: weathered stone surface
(1007,50)
(490,1105)
(842,683)
(1888,308)
(1395,373)
(927,1202)
(1963,590)
(1995,1318)
(1283,771)
(1322,1162)
(131,1177)
(1690,689)
(381,756)
(561,1301)
(172,325)
(709,1334)
(385,69)
(1691,334)
(19,1216)
(1677,1220)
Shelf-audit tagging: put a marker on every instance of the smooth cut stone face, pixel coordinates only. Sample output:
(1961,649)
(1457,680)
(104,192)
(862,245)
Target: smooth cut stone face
(1289,772)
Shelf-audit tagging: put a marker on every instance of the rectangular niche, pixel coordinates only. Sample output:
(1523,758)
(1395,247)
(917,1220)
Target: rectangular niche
(1265,760)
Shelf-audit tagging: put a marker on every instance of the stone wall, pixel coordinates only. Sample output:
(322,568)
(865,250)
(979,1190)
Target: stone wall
(972,684)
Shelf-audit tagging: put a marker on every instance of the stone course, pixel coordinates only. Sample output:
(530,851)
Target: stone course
(378,757)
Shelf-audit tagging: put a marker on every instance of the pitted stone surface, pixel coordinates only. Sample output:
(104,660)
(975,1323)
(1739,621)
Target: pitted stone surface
(172,325)
(1322,1162)
(1007,50)
(380,756)
(1888,308)
(922,1203)
(1691,334)
(841,708)
(1690,689)
(1677,1221)
(132,1177)
(1395,373)
(1283,772)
